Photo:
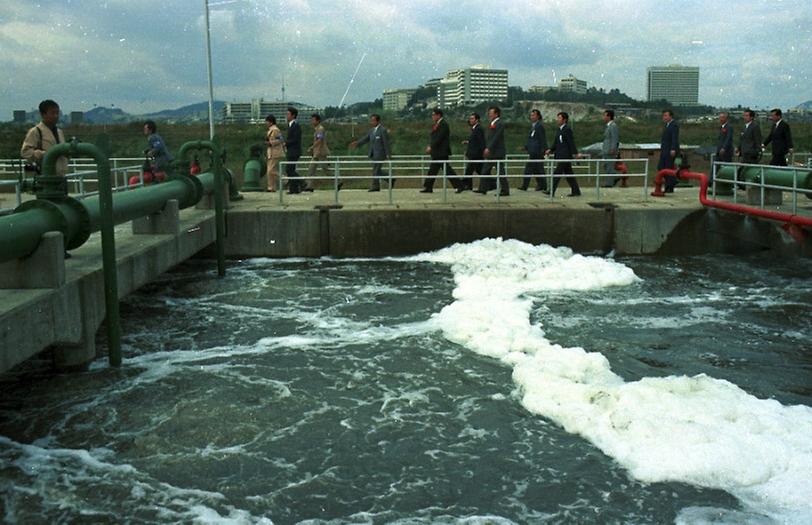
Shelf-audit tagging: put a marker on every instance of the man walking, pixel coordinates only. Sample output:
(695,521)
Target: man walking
(293,145)
(156,149)
(669,148)
(474,152)
(781,138)
(724,143)
(42,137)
(378,139)
(564,148)
(610,148)
(750,140)
(535,147)
(440,151)
(275,151)
(319,149)
(494,154)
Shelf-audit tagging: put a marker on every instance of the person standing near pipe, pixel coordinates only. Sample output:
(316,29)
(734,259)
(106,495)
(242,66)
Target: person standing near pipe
(42,137)
(276,150)
(669,148)
(749,150)
(319,149)
(781,138)
(293,144)
(156,150)
(724,143)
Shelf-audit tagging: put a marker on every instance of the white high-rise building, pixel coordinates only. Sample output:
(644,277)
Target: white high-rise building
(396,99)
(472,85)
(572,85)
(679,85)
(256,110)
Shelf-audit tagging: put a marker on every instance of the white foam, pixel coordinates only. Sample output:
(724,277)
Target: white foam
(697,430)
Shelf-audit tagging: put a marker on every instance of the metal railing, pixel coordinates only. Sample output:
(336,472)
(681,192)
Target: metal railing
(349,168)
(736,182)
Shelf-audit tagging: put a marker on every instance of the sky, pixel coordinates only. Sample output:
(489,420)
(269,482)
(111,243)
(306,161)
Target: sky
(148,55)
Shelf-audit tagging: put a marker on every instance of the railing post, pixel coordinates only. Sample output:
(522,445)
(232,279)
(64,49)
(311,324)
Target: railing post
(551,170)
(499,182)
(597,178)
(282,166)
(713,177)
(336,173)
(645,179)
(389,172)
(761,183)
(445,182)
(735,186)
(794,191)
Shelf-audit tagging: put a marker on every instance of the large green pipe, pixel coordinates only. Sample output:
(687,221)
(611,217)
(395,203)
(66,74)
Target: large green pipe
(772,176)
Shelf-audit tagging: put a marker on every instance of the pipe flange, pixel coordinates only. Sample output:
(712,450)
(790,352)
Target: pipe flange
(83,233)
(58,218)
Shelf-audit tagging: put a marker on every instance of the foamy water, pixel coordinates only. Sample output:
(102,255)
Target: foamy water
(698,430)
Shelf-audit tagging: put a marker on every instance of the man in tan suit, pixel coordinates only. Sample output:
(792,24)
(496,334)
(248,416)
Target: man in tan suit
(43,136)
(319,149)
(275,143)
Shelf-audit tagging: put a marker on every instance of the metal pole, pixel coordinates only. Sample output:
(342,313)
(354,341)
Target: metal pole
(219,213)
(498,183)
(761,183)
(645,180)
(445,184)
(282,167)
(336,173)
(390,180)
(794,192)
(597,178)
(208,65)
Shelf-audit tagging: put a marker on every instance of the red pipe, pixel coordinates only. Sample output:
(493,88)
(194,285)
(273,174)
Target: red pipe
(786,218)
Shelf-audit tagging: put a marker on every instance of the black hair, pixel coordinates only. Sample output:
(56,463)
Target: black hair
(537,112)
(150,124)
(271,119)
(437,111)
(776,111)
(47,105)
(610,113)
(376,117)
(564,115)
(293,111)
(316,116)
(496,110)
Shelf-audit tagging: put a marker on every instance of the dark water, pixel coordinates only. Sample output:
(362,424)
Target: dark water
(317,391)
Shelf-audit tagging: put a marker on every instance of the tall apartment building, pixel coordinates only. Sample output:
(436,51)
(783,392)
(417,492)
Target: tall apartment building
(472,85)
(396,99)
(571,84)
(256,110)
(679,85)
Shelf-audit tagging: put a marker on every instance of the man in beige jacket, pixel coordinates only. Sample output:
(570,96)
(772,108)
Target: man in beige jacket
(275,142)
(319,149)
(43,136)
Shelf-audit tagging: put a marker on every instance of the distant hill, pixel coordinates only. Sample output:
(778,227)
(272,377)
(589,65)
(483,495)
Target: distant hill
(199,111)
(805,105)
(103,115)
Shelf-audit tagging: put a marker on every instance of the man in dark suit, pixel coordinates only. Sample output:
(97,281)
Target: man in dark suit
(378,139)
(669,148)
(475,146)
(535,147)
(293,145)
(494,153)
(781,138)
(724,143)
(750,139)
(564,148)
(440,151)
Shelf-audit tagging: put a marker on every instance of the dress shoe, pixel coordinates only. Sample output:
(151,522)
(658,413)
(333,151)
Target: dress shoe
(340,185)
(504,193)
(459,190)
(480,190)
(574,194)
(308,189)
(523,188)
(372,189)
(427,190)
(294,192)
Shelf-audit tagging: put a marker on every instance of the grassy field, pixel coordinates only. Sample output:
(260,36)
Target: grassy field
(408,138)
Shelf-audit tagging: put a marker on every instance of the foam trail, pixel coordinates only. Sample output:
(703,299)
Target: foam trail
(698,430)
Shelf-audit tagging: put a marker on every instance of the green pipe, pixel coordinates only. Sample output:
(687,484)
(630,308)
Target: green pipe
(108,238)
(772,176)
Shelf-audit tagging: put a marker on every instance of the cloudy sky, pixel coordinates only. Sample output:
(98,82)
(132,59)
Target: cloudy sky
(146,55)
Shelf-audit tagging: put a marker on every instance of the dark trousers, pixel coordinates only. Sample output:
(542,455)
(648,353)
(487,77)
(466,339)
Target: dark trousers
(377,174)
(486,183)
(471,167)
(565,168)
(778,160)
(294,182)
(434,169)
(535,168)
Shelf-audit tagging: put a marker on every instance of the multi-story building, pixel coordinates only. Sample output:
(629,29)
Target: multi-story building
(540,89)
(20,116)
(571,84)
(677,84)
(472,85)
(256,110)
(76,117)
(396,99)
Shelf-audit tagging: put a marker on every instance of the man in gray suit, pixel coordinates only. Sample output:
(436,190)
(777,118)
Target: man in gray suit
(610,148)
(378,139)
(749,149)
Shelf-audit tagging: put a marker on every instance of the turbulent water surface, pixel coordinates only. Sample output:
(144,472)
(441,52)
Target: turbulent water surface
(494,382)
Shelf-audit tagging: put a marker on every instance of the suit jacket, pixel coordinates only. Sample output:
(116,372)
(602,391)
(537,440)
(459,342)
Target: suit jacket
(725,142)
(378,139)
(564,146)
(611,139)
(668,142)
(781,137)
(476,143)
(750,141)
(440,140)
(536,141)
(294,141)
(495,139)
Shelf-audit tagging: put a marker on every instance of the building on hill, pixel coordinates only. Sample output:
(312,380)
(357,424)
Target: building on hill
(396,99)
(471,86)
(76,118)
(256,110)
(679,85)
(540,89)
(570,84)
(20,116)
